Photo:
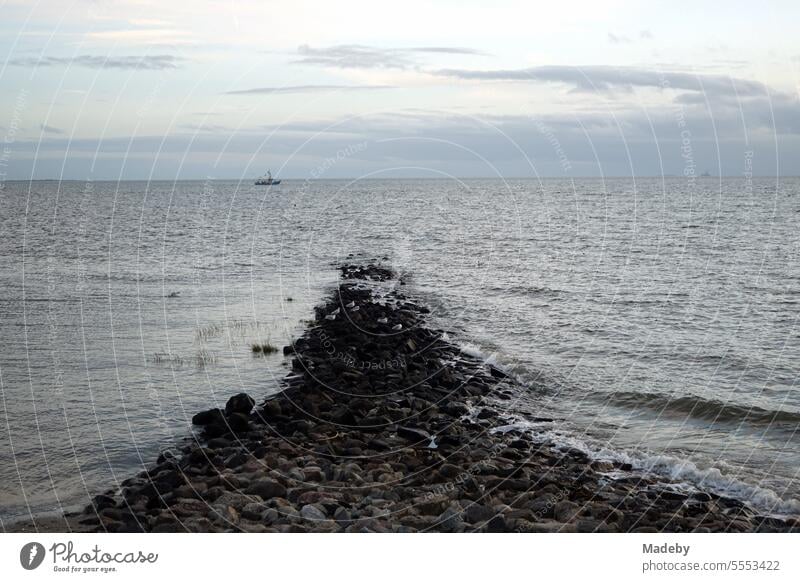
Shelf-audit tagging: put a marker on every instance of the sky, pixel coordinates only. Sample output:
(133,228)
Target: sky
(142,89)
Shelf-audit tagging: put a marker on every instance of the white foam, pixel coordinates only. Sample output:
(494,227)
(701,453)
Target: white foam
(476,352)
(682,471)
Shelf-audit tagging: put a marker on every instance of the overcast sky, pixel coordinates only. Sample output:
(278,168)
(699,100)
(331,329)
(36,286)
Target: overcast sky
(141,89)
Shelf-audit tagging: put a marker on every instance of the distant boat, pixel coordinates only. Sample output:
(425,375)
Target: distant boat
(266,180)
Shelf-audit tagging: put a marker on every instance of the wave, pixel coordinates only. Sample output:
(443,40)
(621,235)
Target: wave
(679,471)
(527,290)
(701,408)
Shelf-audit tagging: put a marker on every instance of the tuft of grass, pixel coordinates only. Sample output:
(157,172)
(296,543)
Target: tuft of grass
(231,328)
(201,359)
(265,348)
(205,358)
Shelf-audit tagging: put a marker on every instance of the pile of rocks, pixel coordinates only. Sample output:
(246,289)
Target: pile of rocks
(384,426)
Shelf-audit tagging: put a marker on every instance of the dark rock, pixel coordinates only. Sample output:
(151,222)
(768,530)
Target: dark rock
(342,516)
(476,513)
(238,422)
(449,520)
(271,408)
(213,416)
(497,525)
(414,435)
(266,489)
(456,409)
(101,502)
(449,471)
(564,511)
(240,403)
(433,504)
(219,442)
(342,415)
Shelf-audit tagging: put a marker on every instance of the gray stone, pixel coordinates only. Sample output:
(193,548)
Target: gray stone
(475,513)
(312,512)
(564,511)
(342,516)
(450,520)
(267,489)
(253,511)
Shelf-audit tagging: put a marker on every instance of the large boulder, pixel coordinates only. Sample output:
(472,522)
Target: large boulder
(241,403)
(213,416)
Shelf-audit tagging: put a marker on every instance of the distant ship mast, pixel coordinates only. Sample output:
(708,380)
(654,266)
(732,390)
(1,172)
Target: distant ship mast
(267,180)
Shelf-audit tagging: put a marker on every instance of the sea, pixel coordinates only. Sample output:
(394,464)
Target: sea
(650,320)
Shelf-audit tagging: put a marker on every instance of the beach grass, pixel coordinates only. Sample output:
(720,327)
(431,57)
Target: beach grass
(263,348)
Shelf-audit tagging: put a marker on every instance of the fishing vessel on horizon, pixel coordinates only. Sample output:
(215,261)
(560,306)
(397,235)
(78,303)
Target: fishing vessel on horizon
(267,180)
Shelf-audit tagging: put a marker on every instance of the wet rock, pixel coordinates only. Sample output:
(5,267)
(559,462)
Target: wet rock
(450,520)
(241,403)
(267,489)
(238,422)
(342,516)
(312,512)
(476,513)
(449,471)
(544,505)
(101,502)
(498,525)
(414,435)
(432,505)
(565,511)
(213,416)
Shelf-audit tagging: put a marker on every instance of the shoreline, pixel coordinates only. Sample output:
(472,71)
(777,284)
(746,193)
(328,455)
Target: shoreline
(383,426)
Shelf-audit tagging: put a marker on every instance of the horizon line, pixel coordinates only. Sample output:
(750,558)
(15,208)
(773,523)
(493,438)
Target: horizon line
(354,178)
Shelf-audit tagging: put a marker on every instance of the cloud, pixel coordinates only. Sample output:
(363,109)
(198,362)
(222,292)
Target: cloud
(356,56)
(450,50)
(617,39)
(631,141)
(142,36)
(603,78)
(132,62)
(307,89)
(50,129)
(645,34)
(595,143)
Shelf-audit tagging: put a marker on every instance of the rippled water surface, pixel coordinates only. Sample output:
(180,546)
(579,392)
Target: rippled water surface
(655,320)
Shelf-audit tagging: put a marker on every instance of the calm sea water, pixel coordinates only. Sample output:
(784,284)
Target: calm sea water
(655,320)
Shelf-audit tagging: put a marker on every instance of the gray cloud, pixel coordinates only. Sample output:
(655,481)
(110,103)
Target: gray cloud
(307,89)
(617,39)
(51,129)
(131,62)
(449,50)
(604,78)
(620,141)
(356,56)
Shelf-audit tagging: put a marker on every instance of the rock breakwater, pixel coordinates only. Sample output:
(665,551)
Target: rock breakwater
(384,426)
